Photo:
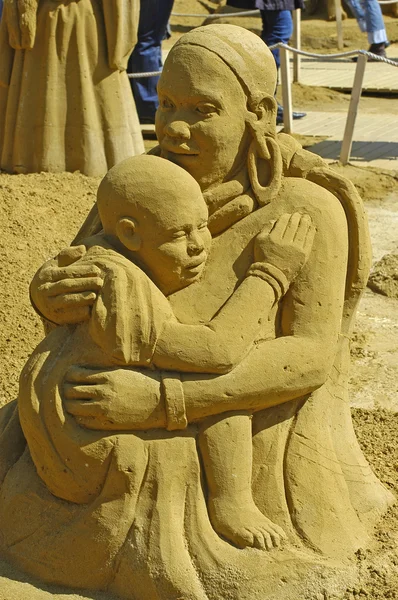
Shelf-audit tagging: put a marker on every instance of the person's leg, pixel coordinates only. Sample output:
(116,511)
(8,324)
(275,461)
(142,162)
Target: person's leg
(374,22)
(358,12)
(147,54)
(277,27)
(370,19)
(225,443)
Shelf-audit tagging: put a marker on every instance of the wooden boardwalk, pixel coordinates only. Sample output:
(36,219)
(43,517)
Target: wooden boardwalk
(375,137)
(338,74)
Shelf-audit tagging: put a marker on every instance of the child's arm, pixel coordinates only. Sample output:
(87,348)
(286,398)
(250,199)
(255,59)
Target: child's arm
(218,346)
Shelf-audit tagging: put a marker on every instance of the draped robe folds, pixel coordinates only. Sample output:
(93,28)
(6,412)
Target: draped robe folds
(66,103)
(138,524)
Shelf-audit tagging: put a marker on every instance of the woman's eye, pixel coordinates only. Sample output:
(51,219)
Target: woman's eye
(206,109)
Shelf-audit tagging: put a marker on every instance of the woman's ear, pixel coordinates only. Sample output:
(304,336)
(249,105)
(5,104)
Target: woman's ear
(127,232)
(263,111)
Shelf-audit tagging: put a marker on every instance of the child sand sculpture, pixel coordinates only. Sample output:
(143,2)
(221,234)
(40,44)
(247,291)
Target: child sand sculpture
(155,220)
(65,98)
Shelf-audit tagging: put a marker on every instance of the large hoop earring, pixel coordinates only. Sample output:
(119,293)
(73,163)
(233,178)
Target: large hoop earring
(265,149)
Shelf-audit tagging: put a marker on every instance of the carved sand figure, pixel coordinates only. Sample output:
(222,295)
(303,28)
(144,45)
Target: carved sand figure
(136,521)
(65,99)
(132,323)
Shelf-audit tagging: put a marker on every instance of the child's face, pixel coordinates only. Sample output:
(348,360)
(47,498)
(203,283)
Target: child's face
(174,247)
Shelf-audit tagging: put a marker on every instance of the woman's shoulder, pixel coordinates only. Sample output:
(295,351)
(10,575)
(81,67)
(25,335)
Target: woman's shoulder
(301,195)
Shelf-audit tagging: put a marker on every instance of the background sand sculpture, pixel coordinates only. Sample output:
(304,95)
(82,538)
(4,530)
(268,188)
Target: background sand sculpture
(65,99)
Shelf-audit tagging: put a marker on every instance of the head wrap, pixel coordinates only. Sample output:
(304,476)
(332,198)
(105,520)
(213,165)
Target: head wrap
(243,52)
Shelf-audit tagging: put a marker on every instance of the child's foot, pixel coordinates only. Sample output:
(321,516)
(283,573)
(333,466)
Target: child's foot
(241,522)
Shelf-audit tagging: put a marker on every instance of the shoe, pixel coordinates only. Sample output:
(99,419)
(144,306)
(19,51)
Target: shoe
(378,49)
(295,115)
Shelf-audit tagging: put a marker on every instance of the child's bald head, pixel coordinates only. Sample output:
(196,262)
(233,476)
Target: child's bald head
(156,210)
(147,187)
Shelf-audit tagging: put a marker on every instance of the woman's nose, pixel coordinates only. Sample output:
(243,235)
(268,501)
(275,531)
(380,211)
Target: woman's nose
(178,129)
(195,244)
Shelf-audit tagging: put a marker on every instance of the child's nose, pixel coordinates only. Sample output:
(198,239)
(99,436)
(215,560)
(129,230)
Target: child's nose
(195,244)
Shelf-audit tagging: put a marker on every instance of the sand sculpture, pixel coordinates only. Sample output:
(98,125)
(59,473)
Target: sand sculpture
(65,99)
(184,432)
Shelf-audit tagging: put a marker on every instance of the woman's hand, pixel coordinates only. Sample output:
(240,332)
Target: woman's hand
(63,290)
(286,243)
(114,399)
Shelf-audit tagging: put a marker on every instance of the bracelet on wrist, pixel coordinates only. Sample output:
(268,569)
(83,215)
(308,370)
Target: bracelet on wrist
(272,275)
(173,395)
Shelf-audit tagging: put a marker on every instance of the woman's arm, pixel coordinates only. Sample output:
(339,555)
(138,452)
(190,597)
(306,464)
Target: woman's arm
(274,372)
(299,360)
(64,289)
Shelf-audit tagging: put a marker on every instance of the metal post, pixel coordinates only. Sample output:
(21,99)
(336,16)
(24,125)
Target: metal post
(297,44)
(353,109)
(286,91)
(339,24)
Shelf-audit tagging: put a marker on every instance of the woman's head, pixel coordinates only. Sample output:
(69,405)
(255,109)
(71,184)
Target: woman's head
(215,93)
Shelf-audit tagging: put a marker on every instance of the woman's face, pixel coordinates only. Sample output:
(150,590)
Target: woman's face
(201,120)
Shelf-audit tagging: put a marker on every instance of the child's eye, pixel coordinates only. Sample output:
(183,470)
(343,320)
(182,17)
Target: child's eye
(177,235)
(203,226)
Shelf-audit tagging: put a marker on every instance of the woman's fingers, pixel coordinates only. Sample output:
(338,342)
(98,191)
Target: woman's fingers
(85,392)
(70,255)
(72,286)
(73,271)
(77,408)
(85,375)
(70,301)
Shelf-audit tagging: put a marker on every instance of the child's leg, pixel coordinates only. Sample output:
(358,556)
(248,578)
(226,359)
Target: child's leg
(226,448)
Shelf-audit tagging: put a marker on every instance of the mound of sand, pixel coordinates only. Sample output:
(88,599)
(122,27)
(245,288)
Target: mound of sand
(384,276)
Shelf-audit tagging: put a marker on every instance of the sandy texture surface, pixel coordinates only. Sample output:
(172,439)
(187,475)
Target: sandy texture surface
(40,214)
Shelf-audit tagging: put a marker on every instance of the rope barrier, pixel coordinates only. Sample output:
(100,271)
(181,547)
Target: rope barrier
(300,52)
(147,74)
(393,63)
(245,13)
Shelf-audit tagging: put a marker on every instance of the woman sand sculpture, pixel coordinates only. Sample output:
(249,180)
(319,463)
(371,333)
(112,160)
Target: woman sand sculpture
(103,488)
(65,98)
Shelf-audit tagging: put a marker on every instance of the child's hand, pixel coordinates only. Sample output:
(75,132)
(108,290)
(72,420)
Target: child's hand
(286,243)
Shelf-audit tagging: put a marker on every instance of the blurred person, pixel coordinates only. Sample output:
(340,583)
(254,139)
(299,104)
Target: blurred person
(277,21)
(147,55)
(370,20)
